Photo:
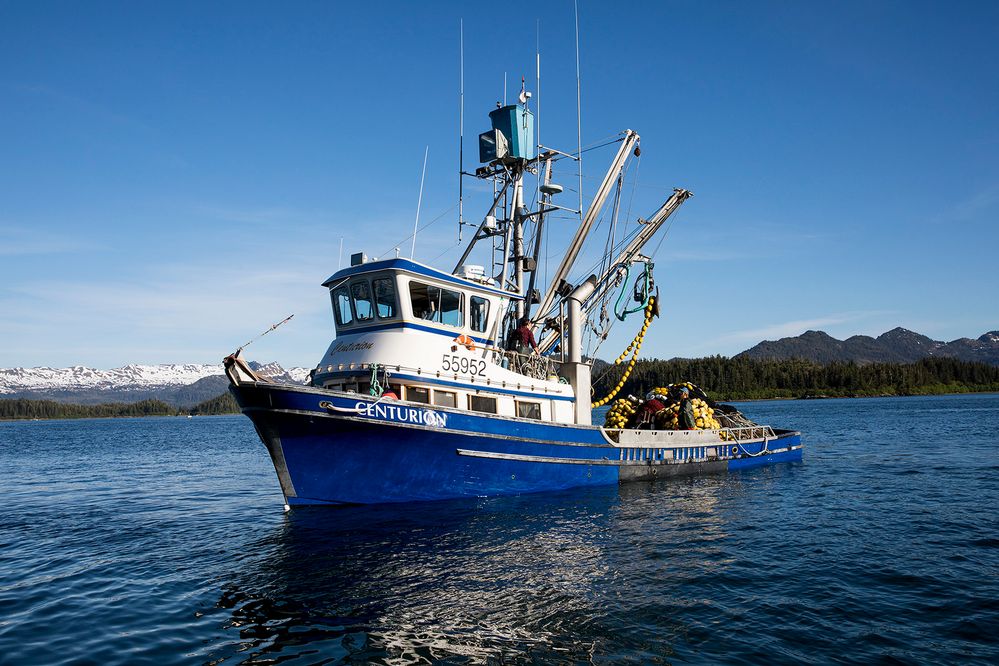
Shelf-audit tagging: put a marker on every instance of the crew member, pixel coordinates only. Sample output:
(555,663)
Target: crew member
(524,338)
(647,413)
(687,419)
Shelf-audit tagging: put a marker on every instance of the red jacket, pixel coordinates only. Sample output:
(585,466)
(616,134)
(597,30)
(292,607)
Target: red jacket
(525,337)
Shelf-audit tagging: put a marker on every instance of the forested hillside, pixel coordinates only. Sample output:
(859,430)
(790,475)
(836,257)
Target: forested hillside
(20,408)
(744,378)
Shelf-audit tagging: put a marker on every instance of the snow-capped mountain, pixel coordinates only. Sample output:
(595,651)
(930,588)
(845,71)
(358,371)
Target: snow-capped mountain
(180,384)
(13,380)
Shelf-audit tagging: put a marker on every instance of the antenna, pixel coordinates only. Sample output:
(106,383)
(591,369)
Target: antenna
(339,258)
(579,120)
(537,75)
(461,123)
(419,202)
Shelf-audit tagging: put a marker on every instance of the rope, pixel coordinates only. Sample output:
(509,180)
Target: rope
(620,312)
(376,388)
(325,404)
(635,346)
(273,327)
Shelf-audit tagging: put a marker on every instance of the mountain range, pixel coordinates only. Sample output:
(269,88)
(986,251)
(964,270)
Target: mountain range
(184,385)
(898,345)
(178,385)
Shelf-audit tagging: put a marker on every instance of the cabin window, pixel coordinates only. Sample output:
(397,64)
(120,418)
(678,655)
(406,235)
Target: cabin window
(445,399)
(529,410)
(436,304)
(478,313)
(384,297)
(481,403)
(362,301)
(418,394)
(341,307)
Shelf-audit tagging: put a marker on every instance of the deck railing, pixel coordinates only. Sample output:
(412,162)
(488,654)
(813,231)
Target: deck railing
(751,432)
(531,365)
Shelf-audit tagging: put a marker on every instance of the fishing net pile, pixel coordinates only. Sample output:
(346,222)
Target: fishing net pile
(632,412)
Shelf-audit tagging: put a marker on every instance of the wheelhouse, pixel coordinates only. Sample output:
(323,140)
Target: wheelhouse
(459,360)
(400,292)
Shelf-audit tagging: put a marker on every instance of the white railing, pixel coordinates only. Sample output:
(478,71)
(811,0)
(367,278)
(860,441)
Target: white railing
(750,432)
(494,384)
(530,365)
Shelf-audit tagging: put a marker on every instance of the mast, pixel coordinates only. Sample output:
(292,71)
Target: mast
(461,125)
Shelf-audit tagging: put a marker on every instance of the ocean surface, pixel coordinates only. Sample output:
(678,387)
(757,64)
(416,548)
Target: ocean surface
(163,541)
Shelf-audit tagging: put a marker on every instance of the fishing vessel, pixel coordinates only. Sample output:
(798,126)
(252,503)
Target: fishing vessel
(423,393)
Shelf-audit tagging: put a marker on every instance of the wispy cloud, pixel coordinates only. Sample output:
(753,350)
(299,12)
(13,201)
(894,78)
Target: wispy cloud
(16,241)
(699,256)
(203,309)
(980,202)
(82,105)
(261,215)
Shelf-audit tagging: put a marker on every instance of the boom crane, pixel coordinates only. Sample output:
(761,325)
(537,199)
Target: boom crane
(625,258)
(631,140)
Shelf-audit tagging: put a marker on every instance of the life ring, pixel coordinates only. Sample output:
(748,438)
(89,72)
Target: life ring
(466,341)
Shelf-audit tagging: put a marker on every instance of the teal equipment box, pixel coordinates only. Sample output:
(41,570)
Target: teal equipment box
(516,122)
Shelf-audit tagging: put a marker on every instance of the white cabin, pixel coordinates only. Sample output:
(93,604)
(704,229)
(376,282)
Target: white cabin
(436,339)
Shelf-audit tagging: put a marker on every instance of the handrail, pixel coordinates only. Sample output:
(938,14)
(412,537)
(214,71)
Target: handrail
(739,434)
(750,432)
(496,384)
(531,365)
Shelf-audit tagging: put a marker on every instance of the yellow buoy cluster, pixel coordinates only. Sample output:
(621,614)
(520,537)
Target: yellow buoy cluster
(704,415)
(620,414)
(632,349)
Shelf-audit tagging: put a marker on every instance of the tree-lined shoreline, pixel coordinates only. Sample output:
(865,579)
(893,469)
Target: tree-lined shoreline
(20,409)
(748,379)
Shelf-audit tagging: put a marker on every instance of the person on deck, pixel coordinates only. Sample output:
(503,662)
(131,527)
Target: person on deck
(524,338)
(687,419)
(647,412)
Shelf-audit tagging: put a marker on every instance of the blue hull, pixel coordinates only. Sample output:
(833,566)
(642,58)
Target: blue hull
(334,448)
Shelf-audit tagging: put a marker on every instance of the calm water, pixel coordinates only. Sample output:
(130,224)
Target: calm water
(164,541)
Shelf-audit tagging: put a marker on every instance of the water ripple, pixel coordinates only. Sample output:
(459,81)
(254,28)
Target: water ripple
(162,541)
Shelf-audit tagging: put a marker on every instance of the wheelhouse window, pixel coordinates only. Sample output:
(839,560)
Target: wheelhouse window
(361,293)
(481,403)
(341,307)
(529,410)
(384,297)
(445,398)
(436,304)
(478,313)
(418,394)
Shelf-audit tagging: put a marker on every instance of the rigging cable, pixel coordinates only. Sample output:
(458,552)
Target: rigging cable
(633,349)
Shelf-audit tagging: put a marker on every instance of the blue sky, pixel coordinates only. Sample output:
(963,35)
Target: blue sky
(175,177)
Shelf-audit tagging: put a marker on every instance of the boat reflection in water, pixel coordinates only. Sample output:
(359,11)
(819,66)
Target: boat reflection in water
(553,577)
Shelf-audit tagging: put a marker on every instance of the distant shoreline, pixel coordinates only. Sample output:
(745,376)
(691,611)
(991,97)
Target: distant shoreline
(811,398)
(740,400)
